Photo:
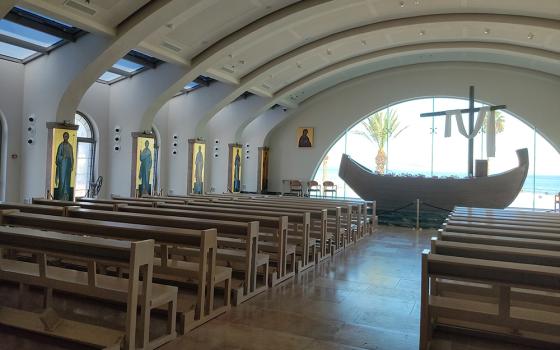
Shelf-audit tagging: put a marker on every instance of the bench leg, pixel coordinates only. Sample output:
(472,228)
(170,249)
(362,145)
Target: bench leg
(48,298)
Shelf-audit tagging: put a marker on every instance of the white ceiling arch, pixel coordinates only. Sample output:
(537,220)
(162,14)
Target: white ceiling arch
(504,54)
(311,57)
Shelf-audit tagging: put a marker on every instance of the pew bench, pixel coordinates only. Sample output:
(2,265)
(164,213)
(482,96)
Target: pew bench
(298,227)
(246,260)
(533,321)
(192,310)
(280,253)
(137,289)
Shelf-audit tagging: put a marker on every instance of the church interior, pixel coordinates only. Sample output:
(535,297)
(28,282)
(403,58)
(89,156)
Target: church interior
(280,174)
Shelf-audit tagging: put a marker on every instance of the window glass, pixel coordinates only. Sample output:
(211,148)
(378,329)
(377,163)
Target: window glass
(86,156)
(30,35)
(108,77)
(15,51)
(127,66)
(421,148)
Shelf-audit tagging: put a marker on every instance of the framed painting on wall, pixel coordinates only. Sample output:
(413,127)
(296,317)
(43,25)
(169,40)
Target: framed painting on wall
(234,167)
(305,137)
(262,185)
(197,156)
(143,164)
(61,160)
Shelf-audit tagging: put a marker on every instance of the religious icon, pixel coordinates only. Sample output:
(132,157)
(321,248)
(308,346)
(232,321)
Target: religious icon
(263,169)
(235,165)
(62,158)
(145,168)
(305,137)
(198,166)
(64,163)
(144,163)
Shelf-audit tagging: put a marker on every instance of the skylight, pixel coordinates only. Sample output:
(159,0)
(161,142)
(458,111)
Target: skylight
(44,17)
(127,66)
(192,85)
(27,34)
(109,77)
(15,52)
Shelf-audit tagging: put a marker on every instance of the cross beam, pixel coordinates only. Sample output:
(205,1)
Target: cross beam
(471,110)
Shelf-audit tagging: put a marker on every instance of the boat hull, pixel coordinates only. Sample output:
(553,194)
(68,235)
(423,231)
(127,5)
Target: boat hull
(394,192)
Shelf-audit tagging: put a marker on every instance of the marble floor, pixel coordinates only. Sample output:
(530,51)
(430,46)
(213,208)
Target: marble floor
(365,298)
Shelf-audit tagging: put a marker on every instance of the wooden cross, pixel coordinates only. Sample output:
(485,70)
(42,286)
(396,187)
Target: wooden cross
(471,110)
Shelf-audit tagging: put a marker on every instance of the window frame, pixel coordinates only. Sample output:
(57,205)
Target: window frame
(91,140)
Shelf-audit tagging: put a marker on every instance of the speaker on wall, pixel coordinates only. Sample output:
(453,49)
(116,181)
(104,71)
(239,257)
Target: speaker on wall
(117,138)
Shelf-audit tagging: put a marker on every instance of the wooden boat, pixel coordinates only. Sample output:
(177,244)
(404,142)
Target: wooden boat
(393,192)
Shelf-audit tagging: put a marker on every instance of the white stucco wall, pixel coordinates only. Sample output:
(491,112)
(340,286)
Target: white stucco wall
(528,94)
(11,103)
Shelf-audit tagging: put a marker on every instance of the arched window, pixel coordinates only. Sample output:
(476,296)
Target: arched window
(85,170)
(417,146)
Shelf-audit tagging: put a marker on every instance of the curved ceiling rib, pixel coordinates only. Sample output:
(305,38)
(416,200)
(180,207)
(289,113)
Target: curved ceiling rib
(130,33)
(373,62)
(388,33)
(211,56)
(5,7)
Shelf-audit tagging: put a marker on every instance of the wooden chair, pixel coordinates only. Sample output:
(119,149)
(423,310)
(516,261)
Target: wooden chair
(296,187)
(313,186)
(329,187)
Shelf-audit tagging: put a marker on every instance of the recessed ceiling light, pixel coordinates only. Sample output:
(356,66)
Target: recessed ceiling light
(329,52)
(530,36)
(298,64)
(241,61)
(364,43)
(486,31)
(401,4)
(422,32)
(417,2)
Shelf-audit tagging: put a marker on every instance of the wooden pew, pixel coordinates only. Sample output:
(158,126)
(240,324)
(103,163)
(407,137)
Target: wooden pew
(503,317)
(318,226)
(135,290)
(298,223)
(506,241)
(508,212)
(248,258)
(133,201)
(367,221)
(502,230)
(514,218)
(85,205)
(192,313)
(33,208)
(283,253)
(336,216)
(521,221)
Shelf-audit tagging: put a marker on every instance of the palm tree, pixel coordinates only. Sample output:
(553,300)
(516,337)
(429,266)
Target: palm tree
(379,127)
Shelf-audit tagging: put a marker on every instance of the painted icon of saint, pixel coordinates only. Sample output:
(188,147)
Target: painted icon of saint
(304,140)
(198,171)
(236,177)
(145,167)
(64,166)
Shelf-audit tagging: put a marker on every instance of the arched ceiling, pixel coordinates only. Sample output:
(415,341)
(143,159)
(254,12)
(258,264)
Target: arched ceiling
(288,50)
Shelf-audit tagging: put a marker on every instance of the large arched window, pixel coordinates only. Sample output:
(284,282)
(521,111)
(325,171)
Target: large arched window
(417,146)
(85,170)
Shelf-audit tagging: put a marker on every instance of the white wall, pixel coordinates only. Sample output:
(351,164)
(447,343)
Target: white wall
(254,134)
(185,111)
(11,103)
(528,94)
(223,127)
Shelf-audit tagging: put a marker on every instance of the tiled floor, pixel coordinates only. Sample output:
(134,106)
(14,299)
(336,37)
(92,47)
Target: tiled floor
(365,298)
